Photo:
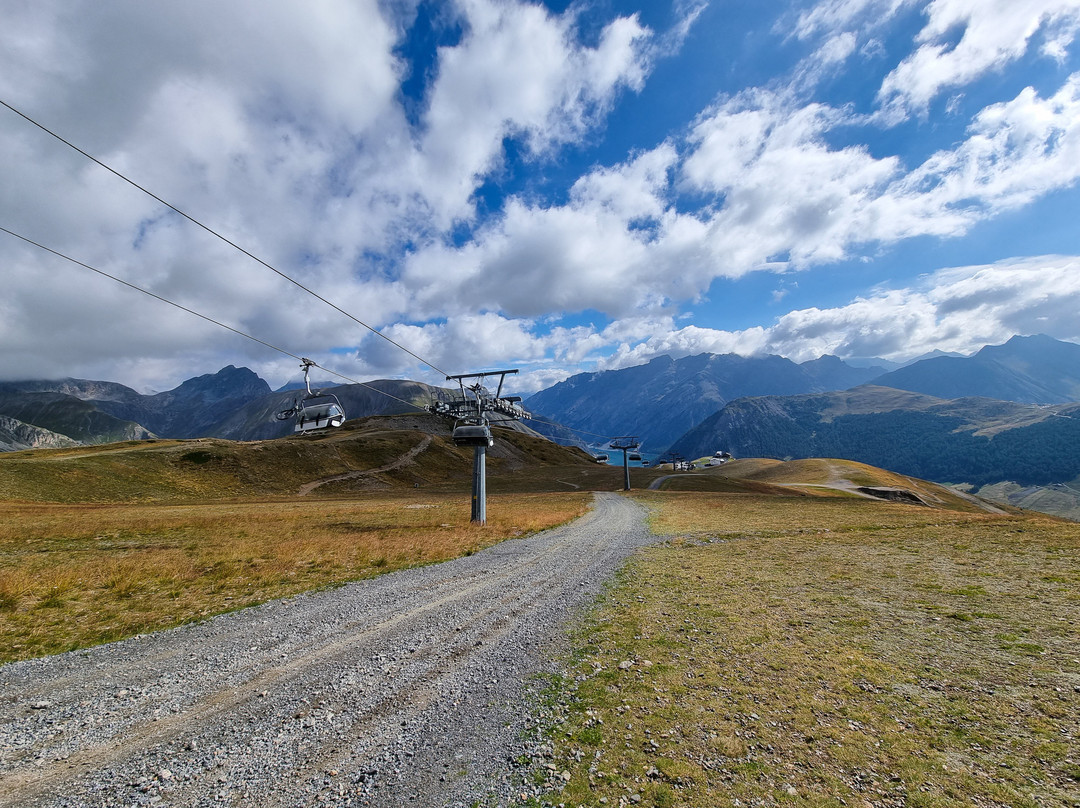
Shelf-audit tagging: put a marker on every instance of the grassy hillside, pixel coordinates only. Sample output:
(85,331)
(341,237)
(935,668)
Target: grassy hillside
(827,651)
(102,542)
(818,477)
(363,455)
(99,543)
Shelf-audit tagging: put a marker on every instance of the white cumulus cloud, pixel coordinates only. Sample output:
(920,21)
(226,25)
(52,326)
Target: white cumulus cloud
(995,33)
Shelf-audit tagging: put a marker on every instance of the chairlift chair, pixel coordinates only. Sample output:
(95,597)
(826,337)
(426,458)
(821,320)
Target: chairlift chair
(319,411)
(316,410)
(472,433)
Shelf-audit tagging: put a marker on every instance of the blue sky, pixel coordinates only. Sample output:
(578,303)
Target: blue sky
(576,186)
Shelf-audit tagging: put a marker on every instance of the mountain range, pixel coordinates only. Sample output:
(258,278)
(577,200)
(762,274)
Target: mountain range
(233,403)
(1030,370)
(1001,414)
(972,440)
(660,401)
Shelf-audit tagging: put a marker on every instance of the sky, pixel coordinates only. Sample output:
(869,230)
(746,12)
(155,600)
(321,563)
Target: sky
(556,188)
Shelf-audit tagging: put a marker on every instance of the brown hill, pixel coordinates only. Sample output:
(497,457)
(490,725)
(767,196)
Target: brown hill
(822,477)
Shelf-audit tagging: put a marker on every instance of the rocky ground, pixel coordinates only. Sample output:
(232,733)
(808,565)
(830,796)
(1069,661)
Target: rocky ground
(412,688)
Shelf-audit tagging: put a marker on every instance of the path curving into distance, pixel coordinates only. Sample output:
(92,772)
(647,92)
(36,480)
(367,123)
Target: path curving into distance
(404,460)
(410,688)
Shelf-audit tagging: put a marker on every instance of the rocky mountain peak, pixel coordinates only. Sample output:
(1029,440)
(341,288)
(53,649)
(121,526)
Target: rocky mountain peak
(228,383)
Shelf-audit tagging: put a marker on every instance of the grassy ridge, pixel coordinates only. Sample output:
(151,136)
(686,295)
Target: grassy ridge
(371,450)
(830,652)
(812,477)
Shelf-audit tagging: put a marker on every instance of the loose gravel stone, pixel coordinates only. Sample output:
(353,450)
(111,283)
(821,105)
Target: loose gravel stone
(411,688)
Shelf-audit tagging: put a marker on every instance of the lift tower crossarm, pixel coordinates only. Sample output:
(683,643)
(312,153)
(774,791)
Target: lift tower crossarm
(484,400)
(502,374)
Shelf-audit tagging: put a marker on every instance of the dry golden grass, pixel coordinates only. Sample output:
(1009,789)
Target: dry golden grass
(809,471)
(812,471)
(814,477)
(747,467)
(718,516)
(76,575)
(828,653)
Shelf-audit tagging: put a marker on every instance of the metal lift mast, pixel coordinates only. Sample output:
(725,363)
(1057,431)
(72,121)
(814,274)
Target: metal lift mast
(471,427)
(625,443)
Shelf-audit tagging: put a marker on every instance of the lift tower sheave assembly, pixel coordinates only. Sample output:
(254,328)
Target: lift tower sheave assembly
(626,443)
(471,425)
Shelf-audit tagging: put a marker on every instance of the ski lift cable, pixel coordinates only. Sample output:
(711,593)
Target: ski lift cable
(254,338)
(572,429)
(216,234)
(205,317)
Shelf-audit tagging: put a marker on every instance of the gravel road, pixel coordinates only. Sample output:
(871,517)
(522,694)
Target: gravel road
(411,688)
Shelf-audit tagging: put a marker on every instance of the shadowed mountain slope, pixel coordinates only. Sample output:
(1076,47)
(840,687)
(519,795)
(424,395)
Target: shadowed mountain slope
(84,410)
(15,435)
(661,400)
(233,403)
(969,440)
(1031,370)
(79,420)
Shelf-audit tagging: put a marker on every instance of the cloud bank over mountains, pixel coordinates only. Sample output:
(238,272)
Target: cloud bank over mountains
(456,175)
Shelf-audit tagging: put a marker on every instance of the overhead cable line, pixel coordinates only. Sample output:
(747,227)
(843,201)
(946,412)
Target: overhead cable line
(216,234)
(273,347)
(573,429)
(205,317)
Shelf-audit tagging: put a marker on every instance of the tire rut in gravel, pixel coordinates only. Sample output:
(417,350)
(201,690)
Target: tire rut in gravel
(406,688)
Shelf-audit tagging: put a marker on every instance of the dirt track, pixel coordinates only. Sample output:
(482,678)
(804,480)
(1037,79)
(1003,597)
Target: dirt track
(406,688)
